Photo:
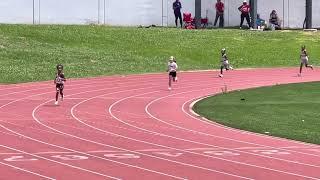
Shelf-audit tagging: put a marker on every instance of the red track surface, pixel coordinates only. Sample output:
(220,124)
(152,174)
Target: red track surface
(134,128)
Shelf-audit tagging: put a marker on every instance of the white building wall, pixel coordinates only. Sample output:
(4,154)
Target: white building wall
(316,13)
(68,12)
(296,14)
(137,12)
(142,12)
(16,11)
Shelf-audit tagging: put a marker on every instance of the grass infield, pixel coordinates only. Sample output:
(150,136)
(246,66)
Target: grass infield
(288,111)
(30,53)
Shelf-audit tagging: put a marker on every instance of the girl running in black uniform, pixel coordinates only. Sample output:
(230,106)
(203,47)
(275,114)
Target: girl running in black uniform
(59,82)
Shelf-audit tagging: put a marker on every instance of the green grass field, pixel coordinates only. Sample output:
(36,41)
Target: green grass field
(30,53)
(289,111)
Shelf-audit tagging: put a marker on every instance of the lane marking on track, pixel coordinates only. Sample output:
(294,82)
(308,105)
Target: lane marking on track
(161,150)
(61,163)
(27,171)
(27,137)
(198,118)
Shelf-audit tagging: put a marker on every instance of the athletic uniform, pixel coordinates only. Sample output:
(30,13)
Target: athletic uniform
(172,67)
(225,61)
(304,60)
(304,57)
(59,80)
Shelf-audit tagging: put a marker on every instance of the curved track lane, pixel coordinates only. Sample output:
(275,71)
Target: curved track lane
(134,128)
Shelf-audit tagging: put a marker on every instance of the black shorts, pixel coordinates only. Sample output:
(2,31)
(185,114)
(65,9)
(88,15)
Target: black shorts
(177,14)
(59,87)
(173,74)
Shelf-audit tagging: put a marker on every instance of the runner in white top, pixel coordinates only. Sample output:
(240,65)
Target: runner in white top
(224,62)
(304,58)
(172,69)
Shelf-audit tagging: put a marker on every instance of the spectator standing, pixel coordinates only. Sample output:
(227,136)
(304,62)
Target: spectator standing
(177,12)
(261,23)
(245,10)
(219,13)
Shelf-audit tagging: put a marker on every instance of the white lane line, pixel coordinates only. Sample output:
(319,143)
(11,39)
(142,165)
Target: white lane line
(20,135)
(72,112)
(49,87)
(110,111)
(83,139)
(45,152)
(65,164)
(206,121)
(199,98)
(190,130)
(27,171)
(158,150)
(163,135)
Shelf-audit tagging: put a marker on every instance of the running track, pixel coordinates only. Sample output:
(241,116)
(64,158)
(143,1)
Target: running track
(134,128)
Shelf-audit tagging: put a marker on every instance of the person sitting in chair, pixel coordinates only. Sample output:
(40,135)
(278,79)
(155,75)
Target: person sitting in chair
(274,20)
(261,23)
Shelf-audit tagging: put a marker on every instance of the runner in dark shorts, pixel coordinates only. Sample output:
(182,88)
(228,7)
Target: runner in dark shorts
(224,62)
(304,59)
(59,82)
(172,69)
(173,74)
